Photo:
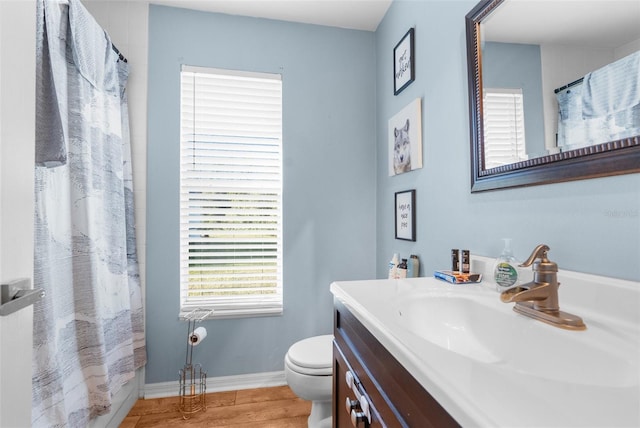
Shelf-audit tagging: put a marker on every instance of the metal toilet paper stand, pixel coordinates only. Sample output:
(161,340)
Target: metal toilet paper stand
(193,380)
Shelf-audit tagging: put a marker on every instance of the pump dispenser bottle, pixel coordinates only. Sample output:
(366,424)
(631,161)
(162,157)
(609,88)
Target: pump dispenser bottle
(505,272)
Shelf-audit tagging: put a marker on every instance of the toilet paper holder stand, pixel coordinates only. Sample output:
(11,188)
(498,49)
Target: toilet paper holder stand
(193,380)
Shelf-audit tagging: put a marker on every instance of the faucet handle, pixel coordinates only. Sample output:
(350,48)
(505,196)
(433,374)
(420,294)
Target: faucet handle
(540,252)
(544,265)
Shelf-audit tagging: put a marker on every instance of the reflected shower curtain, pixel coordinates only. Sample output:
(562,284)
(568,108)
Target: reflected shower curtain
(88,330)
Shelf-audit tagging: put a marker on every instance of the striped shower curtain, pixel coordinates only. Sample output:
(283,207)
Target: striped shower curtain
(88,330)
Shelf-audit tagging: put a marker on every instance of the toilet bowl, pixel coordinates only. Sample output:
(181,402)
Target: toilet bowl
(308,369)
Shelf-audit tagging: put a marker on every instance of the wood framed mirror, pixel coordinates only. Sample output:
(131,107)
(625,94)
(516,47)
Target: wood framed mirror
(508,41)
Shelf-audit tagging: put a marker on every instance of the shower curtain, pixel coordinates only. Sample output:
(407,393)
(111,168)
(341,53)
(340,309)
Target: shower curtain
(88,329)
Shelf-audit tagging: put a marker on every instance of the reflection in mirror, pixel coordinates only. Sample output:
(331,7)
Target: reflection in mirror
(512,101)
(551,82)
(602,106)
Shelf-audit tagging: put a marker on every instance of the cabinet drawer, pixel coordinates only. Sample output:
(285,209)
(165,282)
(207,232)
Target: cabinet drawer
(398,398)
(355,393)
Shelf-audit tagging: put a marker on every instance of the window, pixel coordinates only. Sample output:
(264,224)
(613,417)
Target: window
(230,192)
(504,141)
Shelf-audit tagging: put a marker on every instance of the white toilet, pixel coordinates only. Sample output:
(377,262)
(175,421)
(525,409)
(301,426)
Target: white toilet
(308,369)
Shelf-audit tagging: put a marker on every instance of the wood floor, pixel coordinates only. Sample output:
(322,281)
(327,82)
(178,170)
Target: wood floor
(276,407)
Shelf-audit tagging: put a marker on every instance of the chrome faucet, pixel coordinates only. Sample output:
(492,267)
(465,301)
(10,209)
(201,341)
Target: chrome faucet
(538,299)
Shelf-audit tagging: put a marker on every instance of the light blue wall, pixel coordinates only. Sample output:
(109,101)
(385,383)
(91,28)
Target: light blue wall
(329,190)
(515,65)
(338,198)
(591,225)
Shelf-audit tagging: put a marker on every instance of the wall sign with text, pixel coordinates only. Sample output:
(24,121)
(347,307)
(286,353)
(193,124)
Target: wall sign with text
(404,63)
(406,215)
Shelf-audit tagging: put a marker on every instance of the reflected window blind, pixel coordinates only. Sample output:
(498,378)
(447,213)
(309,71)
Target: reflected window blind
(230,192)
(504,141)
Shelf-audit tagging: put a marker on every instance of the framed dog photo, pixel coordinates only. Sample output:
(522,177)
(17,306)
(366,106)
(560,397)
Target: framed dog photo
(403,63)
(406,215)
(405,139)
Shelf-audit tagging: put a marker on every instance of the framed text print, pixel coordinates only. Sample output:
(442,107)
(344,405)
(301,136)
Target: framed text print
(403,63)
(406,215)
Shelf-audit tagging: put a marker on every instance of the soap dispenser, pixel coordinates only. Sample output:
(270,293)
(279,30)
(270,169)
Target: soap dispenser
(505,271)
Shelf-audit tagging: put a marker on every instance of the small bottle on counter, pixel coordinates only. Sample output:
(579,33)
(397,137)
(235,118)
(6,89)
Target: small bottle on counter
(393,266)
(413,266)
(402,269)
(505,271)
(466,261)
(455,260)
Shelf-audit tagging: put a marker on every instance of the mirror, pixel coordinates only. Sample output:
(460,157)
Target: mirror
(539,110)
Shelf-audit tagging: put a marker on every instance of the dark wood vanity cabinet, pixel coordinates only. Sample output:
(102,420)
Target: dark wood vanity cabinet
(378,381)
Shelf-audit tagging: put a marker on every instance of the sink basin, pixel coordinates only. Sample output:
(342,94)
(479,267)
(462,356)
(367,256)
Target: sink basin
(482,328)
(451,323)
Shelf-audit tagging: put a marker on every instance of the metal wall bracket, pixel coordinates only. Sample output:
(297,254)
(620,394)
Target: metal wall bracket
(18,294)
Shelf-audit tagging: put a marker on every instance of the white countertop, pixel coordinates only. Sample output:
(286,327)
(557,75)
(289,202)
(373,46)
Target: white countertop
(488,393)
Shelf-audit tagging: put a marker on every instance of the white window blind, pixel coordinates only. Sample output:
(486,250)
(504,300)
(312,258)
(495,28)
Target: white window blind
(504,141)
(230,192)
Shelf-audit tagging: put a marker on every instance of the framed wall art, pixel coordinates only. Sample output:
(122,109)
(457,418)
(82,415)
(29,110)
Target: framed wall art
(405,139)
(405,208)
(404,62)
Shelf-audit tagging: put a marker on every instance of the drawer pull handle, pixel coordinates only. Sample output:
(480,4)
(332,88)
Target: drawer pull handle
(364,408)
(357,417)
(351,404)
(348,377)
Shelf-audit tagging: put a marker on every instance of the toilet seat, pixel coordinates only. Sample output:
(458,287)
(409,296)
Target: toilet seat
(312,356)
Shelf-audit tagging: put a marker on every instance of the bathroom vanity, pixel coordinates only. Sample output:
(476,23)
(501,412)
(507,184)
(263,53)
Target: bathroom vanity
(370,384)
(422,352)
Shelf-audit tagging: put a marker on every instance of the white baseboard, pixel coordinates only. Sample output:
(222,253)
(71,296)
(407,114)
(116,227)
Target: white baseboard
(219,384)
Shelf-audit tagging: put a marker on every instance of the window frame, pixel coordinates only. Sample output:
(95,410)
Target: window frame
(214,132)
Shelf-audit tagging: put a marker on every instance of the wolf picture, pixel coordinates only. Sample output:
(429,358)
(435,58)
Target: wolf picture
(402,149)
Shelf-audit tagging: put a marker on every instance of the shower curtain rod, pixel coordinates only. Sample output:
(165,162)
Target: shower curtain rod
(574,83)
(120,56)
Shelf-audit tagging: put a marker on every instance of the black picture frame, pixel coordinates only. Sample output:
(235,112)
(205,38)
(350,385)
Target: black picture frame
(404,64)
(405,215)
